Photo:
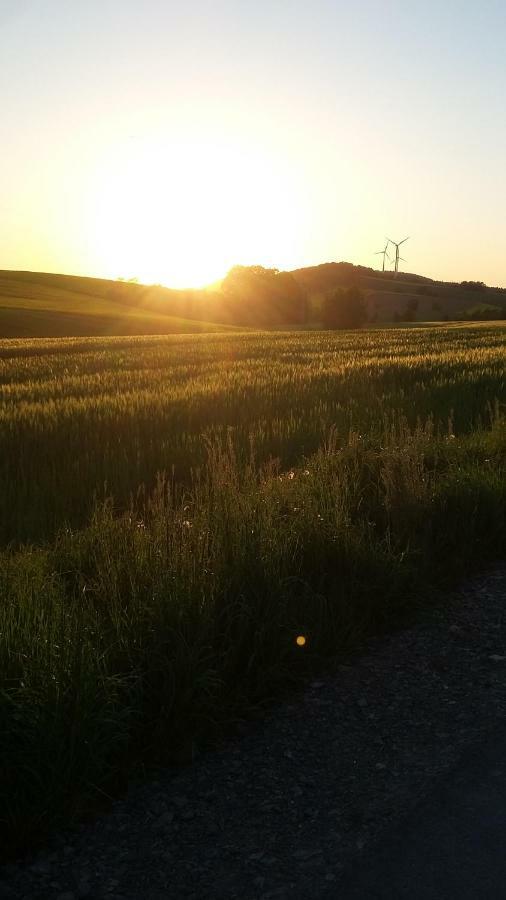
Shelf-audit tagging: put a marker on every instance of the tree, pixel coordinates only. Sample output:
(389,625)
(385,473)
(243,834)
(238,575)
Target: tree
(344,309)
(253,295)
(473,285)
(409,312)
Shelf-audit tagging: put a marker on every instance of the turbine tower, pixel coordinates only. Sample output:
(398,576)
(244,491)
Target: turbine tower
(397,254)
(384,254)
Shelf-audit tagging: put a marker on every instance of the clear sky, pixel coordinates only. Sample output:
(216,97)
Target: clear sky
(169,141)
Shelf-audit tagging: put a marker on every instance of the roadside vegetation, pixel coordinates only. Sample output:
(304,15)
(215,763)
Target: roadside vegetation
(177,511)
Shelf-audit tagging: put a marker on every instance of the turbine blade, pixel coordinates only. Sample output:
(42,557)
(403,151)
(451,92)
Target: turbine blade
(404,241)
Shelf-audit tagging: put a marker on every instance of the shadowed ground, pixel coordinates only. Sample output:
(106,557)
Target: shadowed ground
(386,779)
(451,847)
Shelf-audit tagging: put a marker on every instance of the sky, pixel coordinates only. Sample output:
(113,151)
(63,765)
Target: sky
(169,141)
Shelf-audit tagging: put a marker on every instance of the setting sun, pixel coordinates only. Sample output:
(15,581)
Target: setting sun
(182,211)
(252,273)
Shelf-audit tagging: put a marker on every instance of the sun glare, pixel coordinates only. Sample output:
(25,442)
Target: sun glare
(183,212)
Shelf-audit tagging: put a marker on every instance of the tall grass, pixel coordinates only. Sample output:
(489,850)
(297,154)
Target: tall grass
(134,637)
(129,639)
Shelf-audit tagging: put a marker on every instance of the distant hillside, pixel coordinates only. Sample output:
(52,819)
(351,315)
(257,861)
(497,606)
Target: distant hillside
(34,304)
(388,296)
(37,304)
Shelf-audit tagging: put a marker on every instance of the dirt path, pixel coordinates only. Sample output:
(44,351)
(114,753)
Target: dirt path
(299,804)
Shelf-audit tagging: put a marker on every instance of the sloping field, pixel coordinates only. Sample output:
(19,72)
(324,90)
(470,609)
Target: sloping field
(43,305)
(40,304)
(388,295)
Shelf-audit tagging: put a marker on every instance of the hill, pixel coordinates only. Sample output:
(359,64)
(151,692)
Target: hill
(36,304)
(388,296)
(39,304)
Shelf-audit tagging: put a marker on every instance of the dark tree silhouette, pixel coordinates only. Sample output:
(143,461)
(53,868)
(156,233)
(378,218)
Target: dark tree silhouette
(473,285)
(345,309)
(253,295)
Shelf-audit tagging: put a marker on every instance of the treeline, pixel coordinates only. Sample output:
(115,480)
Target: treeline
(331,295)
(483,312)
(253,296)
(250,295)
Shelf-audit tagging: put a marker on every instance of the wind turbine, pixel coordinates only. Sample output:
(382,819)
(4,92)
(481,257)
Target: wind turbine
(384,254)
(397,254)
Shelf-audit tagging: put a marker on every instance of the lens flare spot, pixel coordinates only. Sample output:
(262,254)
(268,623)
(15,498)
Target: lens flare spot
(300,640)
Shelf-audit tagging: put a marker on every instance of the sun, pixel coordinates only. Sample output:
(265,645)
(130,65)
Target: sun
(181,212)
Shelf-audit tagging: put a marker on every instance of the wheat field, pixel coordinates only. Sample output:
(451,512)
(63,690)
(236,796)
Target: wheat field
(177,510)
(81,418)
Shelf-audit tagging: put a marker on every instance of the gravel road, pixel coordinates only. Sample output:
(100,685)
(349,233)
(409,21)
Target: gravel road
(319,792)
(452,847)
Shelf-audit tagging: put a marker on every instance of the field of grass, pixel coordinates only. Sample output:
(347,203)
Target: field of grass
(263,486)
(43,305)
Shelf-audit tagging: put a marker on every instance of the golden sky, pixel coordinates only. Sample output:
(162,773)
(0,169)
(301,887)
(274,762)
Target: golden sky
(168,142)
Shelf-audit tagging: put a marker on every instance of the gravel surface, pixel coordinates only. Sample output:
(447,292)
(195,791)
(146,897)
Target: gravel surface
(452,846)
(285,810)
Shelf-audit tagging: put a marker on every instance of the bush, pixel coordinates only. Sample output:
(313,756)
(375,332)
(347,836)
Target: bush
(485,312)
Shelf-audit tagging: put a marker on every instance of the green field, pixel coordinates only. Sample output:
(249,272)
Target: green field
(35,304)
(177,509)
